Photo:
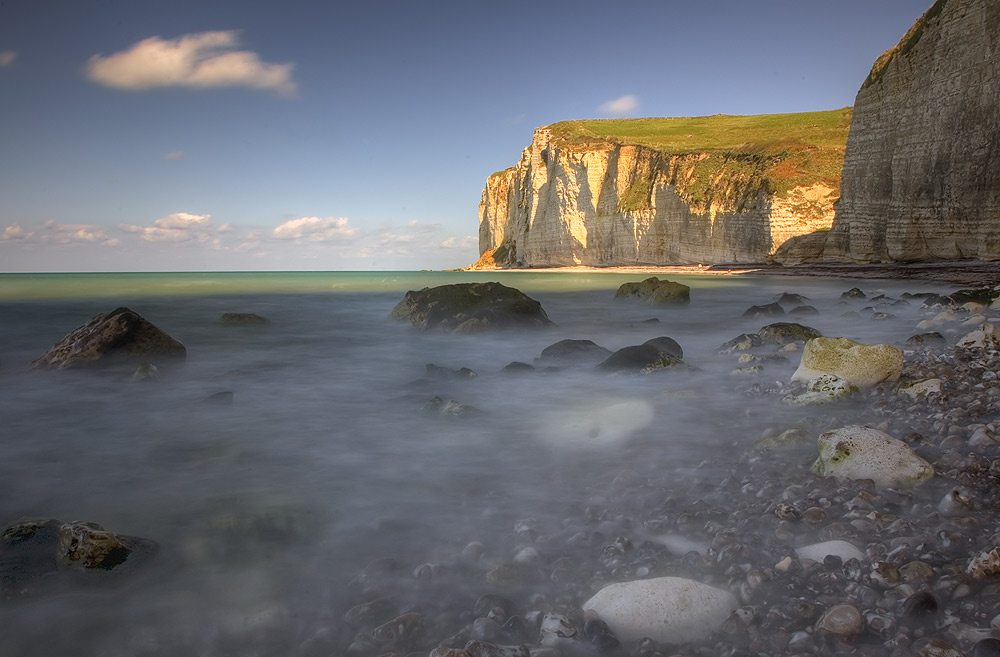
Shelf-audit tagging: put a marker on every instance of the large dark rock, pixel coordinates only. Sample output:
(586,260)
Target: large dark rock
(782,333)
(118,336)
(655,292)
(768,310)
(574,351)
(652,355)
(471,308)
(34,553)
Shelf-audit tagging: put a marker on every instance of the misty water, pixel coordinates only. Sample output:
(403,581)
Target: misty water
(268,508)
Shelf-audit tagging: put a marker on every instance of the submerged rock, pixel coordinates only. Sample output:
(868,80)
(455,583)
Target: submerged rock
(470,308)
(118,336)
(572,351)
(655,292)
(826,389)
(243,318)
(856,452)
(768,310)
(860,364)
(641,359)
(666,609)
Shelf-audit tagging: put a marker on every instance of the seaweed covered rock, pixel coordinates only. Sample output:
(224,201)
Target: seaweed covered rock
(470,308)
(655,292)
(33,551)
(856,452)
(860,364)
(118,336)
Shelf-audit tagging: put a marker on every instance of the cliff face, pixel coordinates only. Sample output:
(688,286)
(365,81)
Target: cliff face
(922,167)
(603,203)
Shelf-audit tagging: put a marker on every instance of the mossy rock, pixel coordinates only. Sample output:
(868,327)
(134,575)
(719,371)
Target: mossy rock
(471,308)
(655,292)
(856,452)
(782,333)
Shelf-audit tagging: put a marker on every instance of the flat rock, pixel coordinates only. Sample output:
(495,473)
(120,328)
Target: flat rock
(118,336)
(471,308)
(860,364)
(856,452)
(667,609)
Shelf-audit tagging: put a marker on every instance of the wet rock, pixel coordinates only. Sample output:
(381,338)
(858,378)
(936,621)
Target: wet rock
(666,345)
(768,310)
(743,342)
(451,408)
(803,311)
(34,550)
(856,452)
(111,338)
(861,364)
(655,292)
(666,609)
(400,630)
(984,564)
(470,308)
(819,551)
(558,631)
(785,333)
(639,359)
(841,622)
(376,612)
(791,299)
(853,293)
(574,351)
(485,649)
(826,389)
(518,367)
(146,372)
(243,318)
(438,373)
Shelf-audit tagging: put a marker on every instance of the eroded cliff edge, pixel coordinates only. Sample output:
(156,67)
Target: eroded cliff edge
(594,193)
(921,176)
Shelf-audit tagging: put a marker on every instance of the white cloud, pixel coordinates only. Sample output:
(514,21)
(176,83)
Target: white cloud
(52,233)
(172,155)
(467,242)
(7,58)
(316,229)
(176,227)
(620,106)
(202,60)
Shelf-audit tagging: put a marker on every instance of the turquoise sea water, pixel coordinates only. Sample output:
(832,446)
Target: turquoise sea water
(268,508)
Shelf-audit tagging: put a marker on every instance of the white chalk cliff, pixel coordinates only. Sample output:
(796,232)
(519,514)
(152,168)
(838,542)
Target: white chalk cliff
(603,203)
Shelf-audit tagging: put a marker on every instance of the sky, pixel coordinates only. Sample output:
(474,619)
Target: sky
(327,135)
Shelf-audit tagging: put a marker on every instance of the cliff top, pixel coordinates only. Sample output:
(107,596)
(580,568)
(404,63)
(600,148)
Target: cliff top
(909,40)
(788,149)
(761,134)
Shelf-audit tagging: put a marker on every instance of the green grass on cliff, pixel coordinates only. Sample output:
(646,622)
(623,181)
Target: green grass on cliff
(786,150)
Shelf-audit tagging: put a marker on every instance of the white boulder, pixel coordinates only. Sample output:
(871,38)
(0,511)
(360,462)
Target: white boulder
(820,551)
(856,452)
(861,364)
(666,609)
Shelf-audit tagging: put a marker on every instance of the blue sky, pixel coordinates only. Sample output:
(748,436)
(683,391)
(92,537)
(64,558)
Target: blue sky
(316,135)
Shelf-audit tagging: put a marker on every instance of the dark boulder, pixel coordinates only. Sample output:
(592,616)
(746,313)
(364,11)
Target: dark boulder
(640,359)
(34,553)
(853,293)
(792,299)
(119,336)
(802,311)
(782,333)
(768,310)
(655,292)
(743,342)
(470,308)
(570,351)
(666,345)
(437,372)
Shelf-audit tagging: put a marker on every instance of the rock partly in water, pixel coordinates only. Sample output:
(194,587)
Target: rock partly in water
(118,336)
(33,551)
(596,426)
(782,333)
(574,351)
(651,356)
(667,609)
(744,342)
(985,337)
(655,292)
(917,389)
(861,364)
(471,308)
(826,389)
(243,318)
(856,452)
(768,310)
(930,339)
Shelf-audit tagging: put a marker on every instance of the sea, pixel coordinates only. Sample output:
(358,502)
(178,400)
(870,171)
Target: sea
(267,509)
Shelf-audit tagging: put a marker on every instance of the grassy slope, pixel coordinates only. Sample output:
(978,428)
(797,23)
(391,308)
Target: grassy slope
(786,150)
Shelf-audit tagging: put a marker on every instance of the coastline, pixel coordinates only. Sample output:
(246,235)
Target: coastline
(974,273)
